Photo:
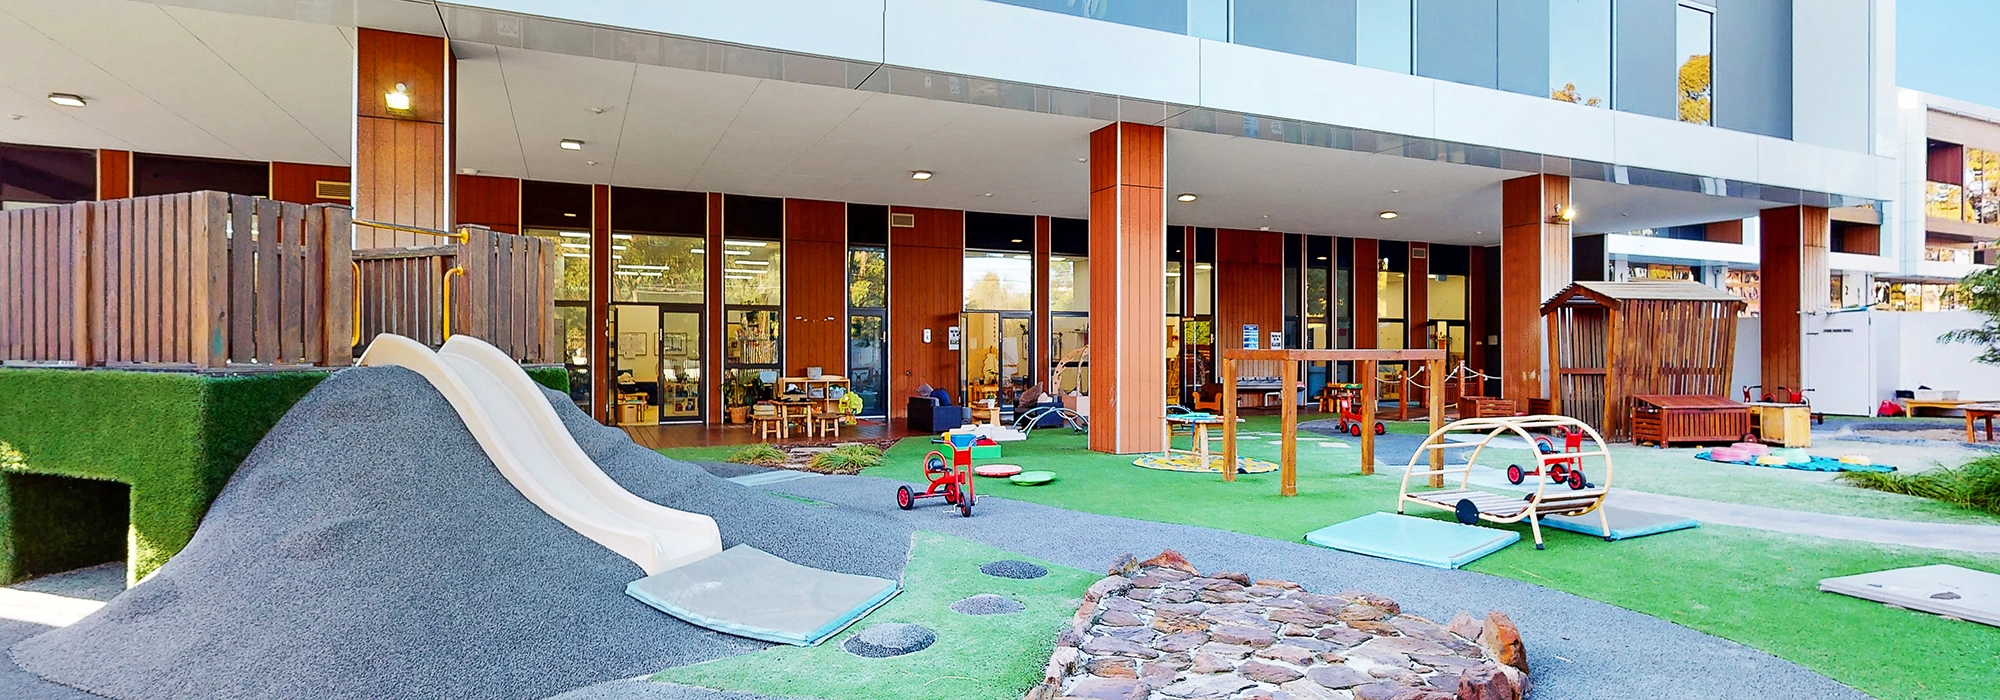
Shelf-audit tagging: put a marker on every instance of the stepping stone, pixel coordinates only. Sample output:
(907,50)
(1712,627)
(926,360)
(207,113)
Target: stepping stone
(889,639)
(987,604)
(1013,568)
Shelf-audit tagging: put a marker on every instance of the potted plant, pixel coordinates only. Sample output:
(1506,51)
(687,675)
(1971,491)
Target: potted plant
(742,391)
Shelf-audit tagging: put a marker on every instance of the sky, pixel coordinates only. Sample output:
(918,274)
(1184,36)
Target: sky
(1946,47)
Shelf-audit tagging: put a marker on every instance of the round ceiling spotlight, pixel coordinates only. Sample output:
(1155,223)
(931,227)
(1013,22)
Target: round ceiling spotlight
(65,99)
(1388,215)
(1187,197)
(571,144)
(920,174)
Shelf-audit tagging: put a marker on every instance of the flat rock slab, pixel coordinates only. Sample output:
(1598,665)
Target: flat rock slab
(987,604)
(889,639)
(1013,568)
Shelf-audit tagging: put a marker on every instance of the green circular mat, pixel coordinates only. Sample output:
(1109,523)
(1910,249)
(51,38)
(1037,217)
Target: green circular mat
(1032,478)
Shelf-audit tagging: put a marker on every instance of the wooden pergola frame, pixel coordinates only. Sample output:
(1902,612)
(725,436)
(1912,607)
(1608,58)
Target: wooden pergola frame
(1288,384)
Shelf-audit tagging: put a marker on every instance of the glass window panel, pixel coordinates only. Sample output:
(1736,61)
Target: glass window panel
(1068,335)
(680,365)
(1389,295)
(1069,283)
(1173,287)
(573,326)
(1382,34)
(1446,297)
(752,273)
(867,278)
(1695,42)
(1164,15)
(1317,28)
(1580,51)
(1982,186)
(1317,295)
(999,281)
(1204,280)
(658,269)
(572,262)
(750,337)
(867,345)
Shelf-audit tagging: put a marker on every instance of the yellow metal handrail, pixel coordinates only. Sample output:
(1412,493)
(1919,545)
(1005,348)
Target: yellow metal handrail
(460,271)
(357,305)
(460,237)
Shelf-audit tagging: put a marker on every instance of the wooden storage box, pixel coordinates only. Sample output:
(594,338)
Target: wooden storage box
(1486,407)
(1663,419)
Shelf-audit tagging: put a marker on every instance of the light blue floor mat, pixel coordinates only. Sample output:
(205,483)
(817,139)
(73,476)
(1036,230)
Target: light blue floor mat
(1625,524)
(1436,543)
(746,592)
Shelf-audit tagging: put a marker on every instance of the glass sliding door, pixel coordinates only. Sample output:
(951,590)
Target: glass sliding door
(868,325)
(680,365)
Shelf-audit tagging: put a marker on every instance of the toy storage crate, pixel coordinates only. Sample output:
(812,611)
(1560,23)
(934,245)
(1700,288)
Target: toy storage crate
(1663,419)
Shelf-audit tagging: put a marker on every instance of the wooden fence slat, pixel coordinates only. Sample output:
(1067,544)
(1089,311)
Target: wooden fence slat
(185,268)
(314,278)
(552,346)
(336,239)
(269,277)
(38,239)
(148,233)
(493,292)
(292,285)
(8,292)
(242,279)
(81,256)
(126,245)
(477,259)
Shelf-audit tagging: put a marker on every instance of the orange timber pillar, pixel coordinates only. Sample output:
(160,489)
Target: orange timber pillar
(1128,243)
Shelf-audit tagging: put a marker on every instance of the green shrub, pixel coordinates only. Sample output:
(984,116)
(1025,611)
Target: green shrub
(1975,485)
(759,454)
(846,459)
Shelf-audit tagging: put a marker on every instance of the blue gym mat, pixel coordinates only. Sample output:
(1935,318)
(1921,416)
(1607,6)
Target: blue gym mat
(1625,524)
(745,592)
(1435,543)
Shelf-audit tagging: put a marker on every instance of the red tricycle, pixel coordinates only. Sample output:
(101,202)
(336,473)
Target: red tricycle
(952,482)
(1347,401)
(1563,470)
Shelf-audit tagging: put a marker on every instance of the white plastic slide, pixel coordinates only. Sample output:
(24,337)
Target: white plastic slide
(512,420)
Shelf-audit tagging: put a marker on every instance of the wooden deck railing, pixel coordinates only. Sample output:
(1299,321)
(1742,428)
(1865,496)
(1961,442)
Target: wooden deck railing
(209,280)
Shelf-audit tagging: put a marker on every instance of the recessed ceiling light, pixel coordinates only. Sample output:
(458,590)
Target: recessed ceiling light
(1013,240)
(1320,258)
(920,174)
(1081,160)
(989,194)
(65,99)
(1395,191)
(1186,197)
(570,214)
(571,145)
(1263,228)
(1388,215)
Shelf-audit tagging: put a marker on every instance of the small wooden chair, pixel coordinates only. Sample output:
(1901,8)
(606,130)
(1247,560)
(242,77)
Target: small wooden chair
(824,423)
(767,420)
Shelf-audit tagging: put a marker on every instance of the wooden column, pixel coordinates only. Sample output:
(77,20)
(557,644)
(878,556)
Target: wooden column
(1475,314)
(1534,265)
(1288,412)
(1435,368)
(1227,367)
(1366,370)
(1128,234)
(114,174)
(400,157)
(1416,323)
(1794,278)
(601,365)
(1367,254)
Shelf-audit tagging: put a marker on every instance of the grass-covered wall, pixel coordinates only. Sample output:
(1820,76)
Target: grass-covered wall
(138,453)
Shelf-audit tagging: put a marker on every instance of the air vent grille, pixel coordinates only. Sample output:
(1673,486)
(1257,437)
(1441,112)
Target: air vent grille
(328,189)
(902,220)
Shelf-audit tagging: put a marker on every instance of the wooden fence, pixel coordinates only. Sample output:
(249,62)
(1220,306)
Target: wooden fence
(208,280)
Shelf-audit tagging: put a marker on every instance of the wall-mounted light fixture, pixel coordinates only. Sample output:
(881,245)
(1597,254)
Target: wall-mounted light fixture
(65,99)
(397,100)
(1562,214)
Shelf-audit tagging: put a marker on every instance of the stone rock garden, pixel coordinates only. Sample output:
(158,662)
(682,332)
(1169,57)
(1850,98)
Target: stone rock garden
(1160,630)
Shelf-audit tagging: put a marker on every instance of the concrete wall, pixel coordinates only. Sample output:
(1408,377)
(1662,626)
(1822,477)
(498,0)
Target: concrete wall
(1854,361)
(1036,47)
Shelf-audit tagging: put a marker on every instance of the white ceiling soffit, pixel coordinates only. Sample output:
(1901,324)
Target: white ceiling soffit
(668,128)
(174,80)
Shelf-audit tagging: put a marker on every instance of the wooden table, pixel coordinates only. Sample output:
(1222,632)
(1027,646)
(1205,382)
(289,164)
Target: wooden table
(1782,424)
(1911,406)
(789,410)
(1975,411)
(1200,423)
(991,410)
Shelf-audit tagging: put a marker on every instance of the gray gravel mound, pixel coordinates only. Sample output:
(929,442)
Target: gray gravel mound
(890,639)
(1013,568)
(368,549)
(987,604)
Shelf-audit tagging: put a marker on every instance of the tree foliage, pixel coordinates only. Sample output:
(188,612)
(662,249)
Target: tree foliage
(1569,94)
(1695,84)
(1980,291)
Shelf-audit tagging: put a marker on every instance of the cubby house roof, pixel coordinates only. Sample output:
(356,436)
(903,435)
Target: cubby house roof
(1614,294)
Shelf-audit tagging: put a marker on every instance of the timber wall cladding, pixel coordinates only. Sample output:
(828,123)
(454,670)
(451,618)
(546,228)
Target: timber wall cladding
(114,174)
(1249,275)
(200,279)
(1128,245)
(1793,250)
(296,182)
(1536,256)
(1366,295)
(399,166)
(815,257)
(493,202)
(926,266)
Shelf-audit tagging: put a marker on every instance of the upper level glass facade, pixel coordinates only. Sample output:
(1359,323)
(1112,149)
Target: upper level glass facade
(1645,56)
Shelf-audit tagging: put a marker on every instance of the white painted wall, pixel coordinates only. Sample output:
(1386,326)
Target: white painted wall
(1748,368)
(1856,360)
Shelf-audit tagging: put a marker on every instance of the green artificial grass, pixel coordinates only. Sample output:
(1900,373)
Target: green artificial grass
(1754,587)
(173,438)
(554,377)
(985,657)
